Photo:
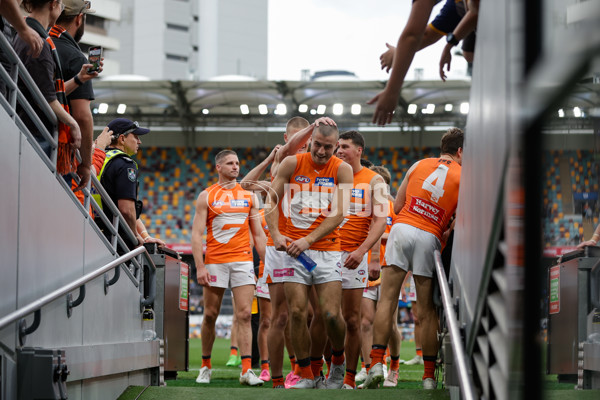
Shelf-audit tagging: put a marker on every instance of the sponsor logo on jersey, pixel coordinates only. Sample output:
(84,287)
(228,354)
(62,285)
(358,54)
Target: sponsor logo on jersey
(358,193)
(390,221)
(427,210)
(217,203)
(302,179)
(239,203)
(213,278)
(324,181)
(280,273)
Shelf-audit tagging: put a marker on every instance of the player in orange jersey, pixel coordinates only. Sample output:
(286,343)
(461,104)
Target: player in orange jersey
(425,203)
(361,229)
(318,186)
(297,136)
(229,214)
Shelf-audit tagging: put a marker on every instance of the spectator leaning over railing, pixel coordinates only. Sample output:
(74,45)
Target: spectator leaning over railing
(9,10)
(45,71)
(66,34)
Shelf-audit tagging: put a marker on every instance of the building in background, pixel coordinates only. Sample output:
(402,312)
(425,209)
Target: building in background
(190,39)
(96,32)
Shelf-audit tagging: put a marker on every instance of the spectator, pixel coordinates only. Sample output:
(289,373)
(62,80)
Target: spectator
(119,176)
(66,34)
(464,28)
(46,73)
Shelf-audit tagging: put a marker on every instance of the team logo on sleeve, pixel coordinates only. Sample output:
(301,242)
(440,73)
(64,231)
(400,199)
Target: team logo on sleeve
(324,181)
(239,203)
(302,179)
(131,174)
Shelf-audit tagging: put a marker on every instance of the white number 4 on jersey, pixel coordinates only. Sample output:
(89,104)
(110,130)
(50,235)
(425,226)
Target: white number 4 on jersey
(439,177)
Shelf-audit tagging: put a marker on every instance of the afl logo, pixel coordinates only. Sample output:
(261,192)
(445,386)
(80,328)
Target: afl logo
(361,272)
(302,179)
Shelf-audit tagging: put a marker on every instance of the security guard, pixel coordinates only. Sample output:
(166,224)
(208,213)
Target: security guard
(119,177)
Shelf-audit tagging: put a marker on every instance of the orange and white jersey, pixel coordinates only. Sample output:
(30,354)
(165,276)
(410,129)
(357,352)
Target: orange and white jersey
(388,227)
(431,195)
(227,225)
(355,227)
(311,189)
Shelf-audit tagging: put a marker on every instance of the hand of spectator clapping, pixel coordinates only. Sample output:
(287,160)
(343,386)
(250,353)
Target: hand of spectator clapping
(35,42)
(387,58)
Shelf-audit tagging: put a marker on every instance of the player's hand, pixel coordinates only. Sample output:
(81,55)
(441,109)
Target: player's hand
(586,243)
(297,246)
(271,155)
(325,121)
(445,59)
(35,42)
(354,259)
(280,242)
(151,239)
(84,173)
(387,58)
(202,275)
(374,271)
(386,104)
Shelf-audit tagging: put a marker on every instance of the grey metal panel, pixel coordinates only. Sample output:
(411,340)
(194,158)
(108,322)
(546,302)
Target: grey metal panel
(483,159)
(96,253)
(50,250)
(92,361)
(107,387)
(9,203)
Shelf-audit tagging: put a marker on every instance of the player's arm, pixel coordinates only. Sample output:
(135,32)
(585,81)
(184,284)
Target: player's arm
(141,230)
(258,234)
(301,137)
(378,223)
(407,46)
(401,195)
(339,205)
(286,169)
(375,261)
(198,227)
(252,180)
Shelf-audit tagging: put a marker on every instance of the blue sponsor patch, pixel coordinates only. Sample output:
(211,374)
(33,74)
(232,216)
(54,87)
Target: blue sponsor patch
(389,221)
(239,203)
(302,179)
(324,181)
(358,193)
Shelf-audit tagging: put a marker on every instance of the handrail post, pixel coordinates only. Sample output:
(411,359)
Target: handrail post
(25,330)
(464,377)
(72,304)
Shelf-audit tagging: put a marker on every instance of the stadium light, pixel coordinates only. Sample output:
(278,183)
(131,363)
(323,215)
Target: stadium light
(302,108)
(262,109)
(281,109)
(313,111)
(430,109)
(412,109)
(102,108)
(338,109)
(121,108)
(355,109)
(321,109)
(448,107)
(561,113)
(577,112)
(205,111)
(464,108)
(244,109)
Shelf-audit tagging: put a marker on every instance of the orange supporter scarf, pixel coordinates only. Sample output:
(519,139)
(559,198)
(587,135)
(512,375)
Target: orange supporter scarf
(65,160)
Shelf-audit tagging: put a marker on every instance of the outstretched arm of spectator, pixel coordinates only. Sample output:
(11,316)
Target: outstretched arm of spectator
(593,241)
(408,44)
(466,25)
(9,9)
(429,37)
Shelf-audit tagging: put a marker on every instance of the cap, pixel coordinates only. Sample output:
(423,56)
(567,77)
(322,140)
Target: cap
(123,126)
(76,7)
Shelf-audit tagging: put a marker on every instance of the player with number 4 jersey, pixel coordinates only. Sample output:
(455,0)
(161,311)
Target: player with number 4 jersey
(426,200)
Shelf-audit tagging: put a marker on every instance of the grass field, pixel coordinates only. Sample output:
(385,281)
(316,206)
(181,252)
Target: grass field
(224,384)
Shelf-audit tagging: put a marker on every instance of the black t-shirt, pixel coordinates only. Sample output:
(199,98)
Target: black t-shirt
(71,60)
(42,70)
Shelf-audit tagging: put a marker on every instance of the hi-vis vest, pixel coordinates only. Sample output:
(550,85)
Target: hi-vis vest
(110,155)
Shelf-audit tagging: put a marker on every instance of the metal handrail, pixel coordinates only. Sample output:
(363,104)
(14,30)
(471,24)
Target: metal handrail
(39,303)
(464,377)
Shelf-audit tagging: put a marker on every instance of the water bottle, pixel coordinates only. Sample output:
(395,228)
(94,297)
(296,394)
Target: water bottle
(148,324)
(308,262)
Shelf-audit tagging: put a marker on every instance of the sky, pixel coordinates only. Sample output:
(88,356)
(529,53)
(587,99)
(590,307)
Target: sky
(343,35)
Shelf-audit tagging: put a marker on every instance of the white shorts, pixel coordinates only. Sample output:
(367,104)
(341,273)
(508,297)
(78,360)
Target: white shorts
(231,274)
(412,293)
(262,289)
(274,268)
(328,269)
(355,278)
(411,249)
(372,293)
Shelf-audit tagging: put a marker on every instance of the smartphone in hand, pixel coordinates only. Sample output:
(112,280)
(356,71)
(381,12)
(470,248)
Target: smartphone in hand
(94,58)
